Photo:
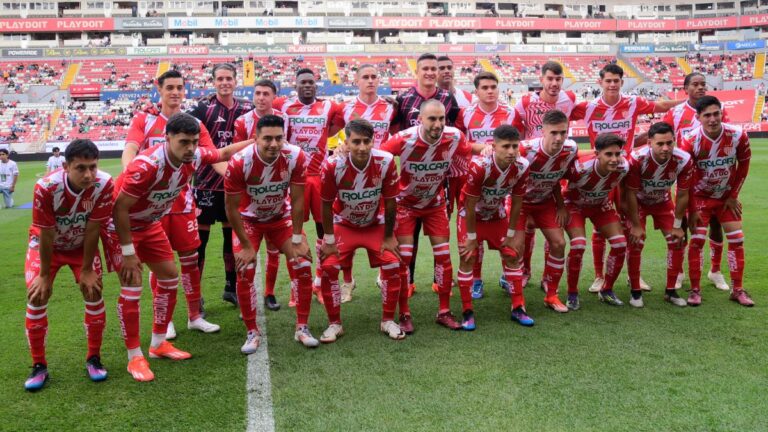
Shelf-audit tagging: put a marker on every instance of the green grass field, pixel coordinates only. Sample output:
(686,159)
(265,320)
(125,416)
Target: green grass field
(609,369)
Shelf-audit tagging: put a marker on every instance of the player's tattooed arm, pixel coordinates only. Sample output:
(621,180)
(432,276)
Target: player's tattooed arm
(390,215)
(40,290)
(247,254)
(130,270)
(90,281)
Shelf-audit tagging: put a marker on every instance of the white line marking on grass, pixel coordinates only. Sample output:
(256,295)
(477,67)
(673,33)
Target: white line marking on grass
(258,385)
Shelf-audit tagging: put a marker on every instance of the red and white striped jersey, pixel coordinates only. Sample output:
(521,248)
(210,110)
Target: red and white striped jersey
(265,187)
(463,98)
(147,129)
(619,119)
(586,187)
(488,182)
(478,127)
(715,162)
(245,125)
(683,120)
(358,194)
(424,167)
(530,110)
(56,205)
(153,179)
(309,126)
(380,114)
(653,180)
(545,170)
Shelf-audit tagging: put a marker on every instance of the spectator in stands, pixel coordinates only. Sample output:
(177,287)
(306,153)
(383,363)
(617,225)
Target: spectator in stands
(9,174)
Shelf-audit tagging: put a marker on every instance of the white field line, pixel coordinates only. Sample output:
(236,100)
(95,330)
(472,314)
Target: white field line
(258,385)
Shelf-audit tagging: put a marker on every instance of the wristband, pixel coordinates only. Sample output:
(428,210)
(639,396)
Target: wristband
(471,236)
(329,239)
(510,233)
(297,238)
(128,250)
(678,223)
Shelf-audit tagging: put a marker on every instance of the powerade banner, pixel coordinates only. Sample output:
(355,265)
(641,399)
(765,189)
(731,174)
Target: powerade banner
(636,49)
(21,52)
(746,45)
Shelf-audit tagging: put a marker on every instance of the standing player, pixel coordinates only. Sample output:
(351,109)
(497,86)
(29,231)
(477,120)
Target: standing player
(408,106)
(483,217)
(55,162)
(70,206)
(591,183)
(354,187)
(616,113)
(550,158)
(9,174)
(310,122)
(425,153)
(257,182)
(445,78)
(653,169)
(720,154)
(264,93)
(147,130)
(530,110)
(683,119)
(146,191)
(478,122)
(218,113)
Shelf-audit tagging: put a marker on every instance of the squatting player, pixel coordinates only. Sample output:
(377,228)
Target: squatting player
(483,217)
(355,187)
(257,183)
(69,208)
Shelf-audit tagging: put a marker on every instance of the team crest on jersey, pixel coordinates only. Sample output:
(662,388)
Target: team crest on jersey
(598,115)
(88,205)
(686,122)
(254,179)
(163,184)
(477,123)
(346,183)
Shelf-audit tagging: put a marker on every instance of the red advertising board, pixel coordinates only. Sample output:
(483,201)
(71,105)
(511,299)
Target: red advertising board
(306,49)
(188,49)
(37,25)
(402,83)
(448,23)
(647,25)
(84,90)
(707,23)
(456,48)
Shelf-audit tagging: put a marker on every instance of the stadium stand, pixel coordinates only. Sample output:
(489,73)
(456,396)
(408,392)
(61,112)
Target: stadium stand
(659,69)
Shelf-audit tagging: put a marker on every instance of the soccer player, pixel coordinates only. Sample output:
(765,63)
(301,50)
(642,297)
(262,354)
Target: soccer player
(146,191)
(550,157)
(69,207)
(478,122)
(720,154)
(591,182)
(310,122)
(9,174)
(408,106)
(530,110)
(483,216)
(425,153)
(147,130)
(616,113)
(653,169)
(683,119)
(355,187)
(218,112)
(264,93)
(55,162)
(445,79)
(257,184)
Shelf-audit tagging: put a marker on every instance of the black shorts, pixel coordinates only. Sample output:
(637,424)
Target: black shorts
(211,205)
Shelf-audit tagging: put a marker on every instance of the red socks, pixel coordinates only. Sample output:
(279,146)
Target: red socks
(128,314)
(163,303)
(615,261)
(736,258)
(36,325)
(95,319)
(443,274)
(575,256)
(190,281)
(598,253)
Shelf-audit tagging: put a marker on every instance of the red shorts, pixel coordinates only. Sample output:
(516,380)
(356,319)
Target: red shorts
(492,232)
(181,229)
(313,203)
(71,258)
(151,244)
(600,216)
(433,220)
(276,233)
(709,207)
(349,239)
(663,215)
(455,184)
(543,215)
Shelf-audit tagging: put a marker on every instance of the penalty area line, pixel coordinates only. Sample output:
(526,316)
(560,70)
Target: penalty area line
(258,384)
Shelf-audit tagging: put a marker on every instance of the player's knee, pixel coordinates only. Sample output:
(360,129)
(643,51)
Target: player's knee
(578,246)
(698,238)
(331,266)
(557,247)
(618,243)
(735,238)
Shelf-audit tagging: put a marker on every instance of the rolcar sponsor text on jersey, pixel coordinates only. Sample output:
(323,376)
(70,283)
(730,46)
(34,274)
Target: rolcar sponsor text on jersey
(269,188)
(428,166)
(717,162)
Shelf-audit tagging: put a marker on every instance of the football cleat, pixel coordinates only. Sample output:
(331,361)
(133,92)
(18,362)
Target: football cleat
(406,323)
(477,289)
(573,302)
(718,280)
(597,285)
(392,329)
(468,321)
(202,325)
(446,319)
(170,333)
(37,378)
(304,337)
(518,314)
(251,344)
(554,303)
(270,302)
(610,298)
(346,291)
(694,298)
(138,367)
(167,350)
(741,297)
(333,332)
(96,372)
